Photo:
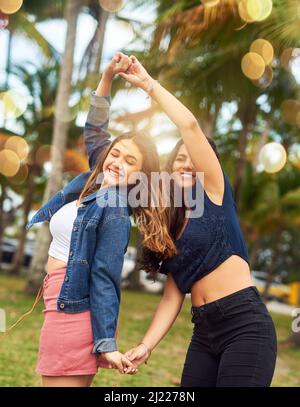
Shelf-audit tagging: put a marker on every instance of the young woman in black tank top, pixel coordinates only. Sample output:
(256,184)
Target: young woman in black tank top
(234,339)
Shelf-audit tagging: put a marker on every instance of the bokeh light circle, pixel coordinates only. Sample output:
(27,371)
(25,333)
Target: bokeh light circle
(253,65)
(12,104)
(9,163)
(243,11)
(266,9)
(273,157)
(18,145)
(254,10)
(263,48)
(112,6)
(10,6)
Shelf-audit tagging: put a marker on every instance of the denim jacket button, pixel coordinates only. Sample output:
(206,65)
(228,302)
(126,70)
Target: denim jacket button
(75,228)
(71,253)
(66,278)
(62,306)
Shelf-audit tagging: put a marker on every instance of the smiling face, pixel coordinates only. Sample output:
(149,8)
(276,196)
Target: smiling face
(123,159)
(183,168)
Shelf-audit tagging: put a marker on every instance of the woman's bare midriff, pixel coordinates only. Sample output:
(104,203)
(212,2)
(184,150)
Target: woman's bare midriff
(55,264)
(231,276)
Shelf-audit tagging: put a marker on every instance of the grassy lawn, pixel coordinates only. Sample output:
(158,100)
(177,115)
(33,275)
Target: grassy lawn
(18,351)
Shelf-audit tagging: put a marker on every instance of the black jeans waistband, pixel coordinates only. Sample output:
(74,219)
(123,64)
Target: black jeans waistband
(210,307)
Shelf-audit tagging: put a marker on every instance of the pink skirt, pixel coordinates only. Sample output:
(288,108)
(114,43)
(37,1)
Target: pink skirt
(66,339)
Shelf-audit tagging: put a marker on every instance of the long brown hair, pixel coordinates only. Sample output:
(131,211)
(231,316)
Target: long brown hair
(150,260)
(151,221)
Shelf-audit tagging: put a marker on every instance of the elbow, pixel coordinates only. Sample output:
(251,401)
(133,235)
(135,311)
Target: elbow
(175,300)
(191,124)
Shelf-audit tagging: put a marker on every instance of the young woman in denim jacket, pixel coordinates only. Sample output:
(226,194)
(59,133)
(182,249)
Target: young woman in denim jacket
(234,338)
(82,290)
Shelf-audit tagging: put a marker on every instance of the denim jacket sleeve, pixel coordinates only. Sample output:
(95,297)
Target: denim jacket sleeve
(106,269)
(96,136)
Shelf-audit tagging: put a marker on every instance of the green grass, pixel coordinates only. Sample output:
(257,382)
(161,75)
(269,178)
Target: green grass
(18,351)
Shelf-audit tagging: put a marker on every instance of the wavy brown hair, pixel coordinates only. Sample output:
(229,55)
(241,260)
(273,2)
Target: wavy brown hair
(151,221)
(150,260)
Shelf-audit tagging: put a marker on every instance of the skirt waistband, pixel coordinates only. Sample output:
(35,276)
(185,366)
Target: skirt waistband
(56,272)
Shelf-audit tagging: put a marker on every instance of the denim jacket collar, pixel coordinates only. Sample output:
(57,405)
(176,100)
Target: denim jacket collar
(72,191)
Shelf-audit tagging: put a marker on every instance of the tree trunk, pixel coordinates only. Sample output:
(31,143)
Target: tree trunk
(2,198)
(99,41)
(247,117)
(19,254)
(60,133)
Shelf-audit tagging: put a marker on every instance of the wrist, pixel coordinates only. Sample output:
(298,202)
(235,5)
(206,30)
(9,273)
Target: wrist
(107,76)
(147,347)
(146,83)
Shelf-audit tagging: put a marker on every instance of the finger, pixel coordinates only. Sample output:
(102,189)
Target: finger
(133,58)
(127,362)
(117,57)
(125,64)
(132,356)
(119,366)
(130,369)
(129,353)
(124,76)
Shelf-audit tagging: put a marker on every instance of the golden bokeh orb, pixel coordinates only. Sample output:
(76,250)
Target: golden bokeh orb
(112,6)
(18,145)
(10,6)
(263,48)
(9,163)
(273,157)
(12,104)
(253,65)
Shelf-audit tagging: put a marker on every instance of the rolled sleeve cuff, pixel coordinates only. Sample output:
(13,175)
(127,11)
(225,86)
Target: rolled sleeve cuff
(100,101)
(105,345)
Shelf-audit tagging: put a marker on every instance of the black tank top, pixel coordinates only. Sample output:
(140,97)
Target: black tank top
(207,241)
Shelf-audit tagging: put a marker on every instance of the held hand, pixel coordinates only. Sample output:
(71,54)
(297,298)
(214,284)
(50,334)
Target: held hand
(102,362)
(138,355)
(136,74)
(117,360)
(119,63)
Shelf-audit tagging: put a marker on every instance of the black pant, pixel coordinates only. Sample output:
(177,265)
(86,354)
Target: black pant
(234,343)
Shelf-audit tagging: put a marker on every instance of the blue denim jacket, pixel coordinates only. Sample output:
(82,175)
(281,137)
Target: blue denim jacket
(99,239)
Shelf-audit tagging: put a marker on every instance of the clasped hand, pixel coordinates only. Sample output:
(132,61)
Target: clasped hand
(128,68)
(126,363)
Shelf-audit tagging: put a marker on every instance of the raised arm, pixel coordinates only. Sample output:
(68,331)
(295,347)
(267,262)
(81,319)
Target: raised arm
(162,321)
(199,149)
(96,136)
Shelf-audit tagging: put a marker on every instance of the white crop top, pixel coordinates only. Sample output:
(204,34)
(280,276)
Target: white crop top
(61,225)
